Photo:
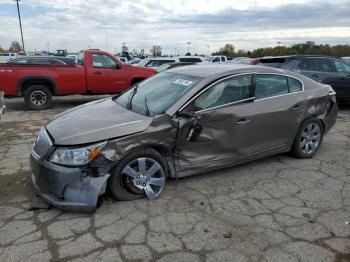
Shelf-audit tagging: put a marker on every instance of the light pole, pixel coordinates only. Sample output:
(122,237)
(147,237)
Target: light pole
(48,48)
(188,47)
(208,46)
(20,24)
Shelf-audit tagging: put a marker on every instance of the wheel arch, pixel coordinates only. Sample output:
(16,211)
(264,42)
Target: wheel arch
(27,81)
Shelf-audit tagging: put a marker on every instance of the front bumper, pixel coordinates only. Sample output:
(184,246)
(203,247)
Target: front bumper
(67,188)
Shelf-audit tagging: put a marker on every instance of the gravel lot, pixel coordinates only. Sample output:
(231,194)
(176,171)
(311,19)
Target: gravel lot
(276,209)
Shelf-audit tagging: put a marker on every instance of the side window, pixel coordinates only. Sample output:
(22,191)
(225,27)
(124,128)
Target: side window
(341,67)
(103,61)
(19,61)
(297,64)
(216,59)
(228,91)
(39,61)
(294,85)
(270,85)
(56,62)
(320,65)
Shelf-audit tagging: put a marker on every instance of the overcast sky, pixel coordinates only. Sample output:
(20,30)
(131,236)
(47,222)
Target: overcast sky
(105,24)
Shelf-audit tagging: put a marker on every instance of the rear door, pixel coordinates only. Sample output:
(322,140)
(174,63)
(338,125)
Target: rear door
(342,83)
(275,112)
(106,75)
(320,69)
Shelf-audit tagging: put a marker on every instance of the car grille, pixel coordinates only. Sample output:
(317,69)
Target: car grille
(42,145)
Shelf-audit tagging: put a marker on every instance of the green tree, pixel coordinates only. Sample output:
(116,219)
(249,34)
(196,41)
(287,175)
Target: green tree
(227,50)
(15,47)
(156,50)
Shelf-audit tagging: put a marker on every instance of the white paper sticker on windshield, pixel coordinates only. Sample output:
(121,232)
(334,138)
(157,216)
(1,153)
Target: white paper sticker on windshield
(183,82)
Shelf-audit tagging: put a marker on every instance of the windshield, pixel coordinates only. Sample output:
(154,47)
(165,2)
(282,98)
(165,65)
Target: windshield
(156,94)
(143,62)
(208,59)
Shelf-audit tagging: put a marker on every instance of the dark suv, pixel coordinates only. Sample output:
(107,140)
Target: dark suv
(325,69)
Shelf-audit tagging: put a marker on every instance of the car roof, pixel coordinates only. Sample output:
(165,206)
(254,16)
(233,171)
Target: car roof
(161,58)
(210,70)
(292,56)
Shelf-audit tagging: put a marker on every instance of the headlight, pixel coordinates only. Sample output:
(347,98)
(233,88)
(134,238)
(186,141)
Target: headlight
(76,156)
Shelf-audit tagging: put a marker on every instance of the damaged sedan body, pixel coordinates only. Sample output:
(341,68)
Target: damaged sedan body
(180,122)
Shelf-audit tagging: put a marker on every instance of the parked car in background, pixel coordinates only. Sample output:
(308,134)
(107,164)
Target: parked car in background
(4,57)
(42,60)
(123,59)
(178,123)
(244,61)
(215,59)
(74,57)
(2,106)
(158,61)
(97,72)
(172,65)
(325,69)
(346,59)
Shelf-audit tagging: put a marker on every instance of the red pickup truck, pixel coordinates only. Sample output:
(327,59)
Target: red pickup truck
(97,72)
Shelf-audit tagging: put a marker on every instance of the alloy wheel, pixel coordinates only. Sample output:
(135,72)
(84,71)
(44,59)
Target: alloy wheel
(310,138)
(144,174)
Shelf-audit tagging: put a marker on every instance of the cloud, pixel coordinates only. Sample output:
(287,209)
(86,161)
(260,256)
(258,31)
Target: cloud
(106,24)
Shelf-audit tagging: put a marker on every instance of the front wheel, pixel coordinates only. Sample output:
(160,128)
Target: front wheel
(308,139)
(141,173)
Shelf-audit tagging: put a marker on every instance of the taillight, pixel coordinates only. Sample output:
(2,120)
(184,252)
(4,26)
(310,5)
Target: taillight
(332,97)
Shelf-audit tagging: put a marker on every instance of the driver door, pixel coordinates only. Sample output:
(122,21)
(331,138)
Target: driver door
(218,131)
(106,75)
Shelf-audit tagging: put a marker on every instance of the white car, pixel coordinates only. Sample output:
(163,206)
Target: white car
(215,59)
(4,57)
(347,59)
(158,61)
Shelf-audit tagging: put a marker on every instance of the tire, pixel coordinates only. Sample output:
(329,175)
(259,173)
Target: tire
(38,97)
(308,139)
(123,187)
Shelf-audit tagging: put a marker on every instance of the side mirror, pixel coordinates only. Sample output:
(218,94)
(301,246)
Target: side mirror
(115,66)
(188,114)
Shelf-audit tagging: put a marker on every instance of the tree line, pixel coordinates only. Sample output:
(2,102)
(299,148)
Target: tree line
(15,47)
(307,48)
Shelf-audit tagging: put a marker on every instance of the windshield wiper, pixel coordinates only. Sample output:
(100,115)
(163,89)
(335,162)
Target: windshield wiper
(146,106)
(132,96)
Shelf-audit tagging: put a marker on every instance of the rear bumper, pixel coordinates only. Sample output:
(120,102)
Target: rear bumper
(67,188)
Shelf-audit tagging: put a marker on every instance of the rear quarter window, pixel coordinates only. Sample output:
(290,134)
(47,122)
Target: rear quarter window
(294,85)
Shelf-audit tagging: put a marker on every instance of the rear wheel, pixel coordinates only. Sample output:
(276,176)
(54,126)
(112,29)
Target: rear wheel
(141,173)
(38,97)
(308,139)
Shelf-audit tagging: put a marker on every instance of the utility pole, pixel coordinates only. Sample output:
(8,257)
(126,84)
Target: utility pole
(20,24)
(188,47)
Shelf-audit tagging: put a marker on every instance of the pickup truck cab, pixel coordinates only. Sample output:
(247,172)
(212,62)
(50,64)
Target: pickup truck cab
(215,59)
(97,72)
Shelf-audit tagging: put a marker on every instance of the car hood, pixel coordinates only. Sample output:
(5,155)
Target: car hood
(96,121)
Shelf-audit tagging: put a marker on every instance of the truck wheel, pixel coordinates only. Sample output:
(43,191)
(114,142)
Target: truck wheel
(38,97)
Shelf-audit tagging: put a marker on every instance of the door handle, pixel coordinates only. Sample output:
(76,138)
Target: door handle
(242,122)
(314,75)
(296,107)
(97,73)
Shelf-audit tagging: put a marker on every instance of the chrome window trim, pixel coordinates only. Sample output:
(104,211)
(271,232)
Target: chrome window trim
(216,82)
(247,99)
(285,75)
(228,104)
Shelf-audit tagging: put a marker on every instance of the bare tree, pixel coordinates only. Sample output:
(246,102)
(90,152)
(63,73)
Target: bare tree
(15,47)
(156,50)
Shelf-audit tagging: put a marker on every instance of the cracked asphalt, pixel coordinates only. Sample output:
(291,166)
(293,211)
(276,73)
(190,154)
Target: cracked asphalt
(275,209)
